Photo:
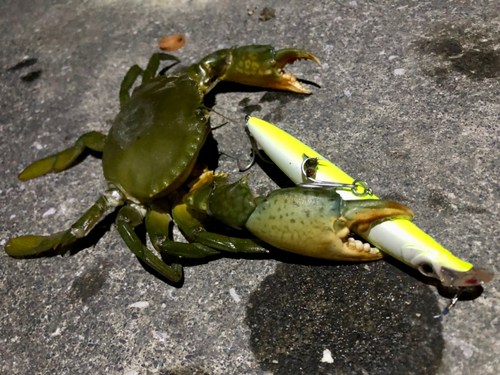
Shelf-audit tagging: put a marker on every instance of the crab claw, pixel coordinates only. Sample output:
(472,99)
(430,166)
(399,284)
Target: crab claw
(289,56)
(317,222)
(261,66)
(361,216)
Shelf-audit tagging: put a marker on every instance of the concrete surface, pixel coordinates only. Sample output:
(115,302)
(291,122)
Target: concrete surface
(408,102)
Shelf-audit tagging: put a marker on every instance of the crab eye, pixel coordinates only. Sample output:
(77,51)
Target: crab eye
(426,269)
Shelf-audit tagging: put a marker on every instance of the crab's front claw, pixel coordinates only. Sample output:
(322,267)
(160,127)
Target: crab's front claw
(253,65)
(263,66)
(362,215)
(317,223)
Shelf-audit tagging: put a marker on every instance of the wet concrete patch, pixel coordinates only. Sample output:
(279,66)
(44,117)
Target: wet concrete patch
(372,318)
(466,50)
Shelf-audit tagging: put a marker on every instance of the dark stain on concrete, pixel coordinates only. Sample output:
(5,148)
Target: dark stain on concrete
(437,200)
(396,153)
(462,49)
(267,14)
(89,283)
(476,210)
(276,114)
(374,319)
(23,64)
(244,102)
(31,76)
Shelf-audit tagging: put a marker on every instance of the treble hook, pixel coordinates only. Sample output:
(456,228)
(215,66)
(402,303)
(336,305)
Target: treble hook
(255,149)
(452,303)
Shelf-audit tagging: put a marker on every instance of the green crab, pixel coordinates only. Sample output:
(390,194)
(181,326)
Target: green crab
(149,154)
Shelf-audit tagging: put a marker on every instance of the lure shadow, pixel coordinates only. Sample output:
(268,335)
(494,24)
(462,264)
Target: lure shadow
(273,172)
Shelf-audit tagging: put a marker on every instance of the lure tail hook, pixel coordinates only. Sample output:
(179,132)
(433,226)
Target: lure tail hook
(452,304)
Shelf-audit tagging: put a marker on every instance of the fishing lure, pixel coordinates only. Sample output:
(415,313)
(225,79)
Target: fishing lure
(401,239)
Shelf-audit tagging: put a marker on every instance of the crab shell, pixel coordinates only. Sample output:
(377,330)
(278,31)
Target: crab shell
(155,140)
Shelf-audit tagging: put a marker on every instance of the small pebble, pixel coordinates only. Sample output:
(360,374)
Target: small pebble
(235,296)
(140,305)
(50,211)
(327,356)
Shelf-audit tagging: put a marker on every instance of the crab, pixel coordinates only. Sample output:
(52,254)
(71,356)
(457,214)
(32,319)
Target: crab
(152,147)
(149,155)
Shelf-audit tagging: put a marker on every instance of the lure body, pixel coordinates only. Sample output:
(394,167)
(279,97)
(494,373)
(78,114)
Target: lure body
(399,238)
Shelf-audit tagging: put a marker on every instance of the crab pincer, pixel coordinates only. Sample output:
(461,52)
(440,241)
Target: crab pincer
(255,66)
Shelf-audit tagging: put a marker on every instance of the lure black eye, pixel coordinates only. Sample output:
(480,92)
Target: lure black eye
(426,269)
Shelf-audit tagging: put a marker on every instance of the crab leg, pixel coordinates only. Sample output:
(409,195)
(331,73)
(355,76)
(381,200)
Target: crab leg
(193,228)
(64,159)
(147,75)
(158,223)
(251,65)
(31,246)
(128,218)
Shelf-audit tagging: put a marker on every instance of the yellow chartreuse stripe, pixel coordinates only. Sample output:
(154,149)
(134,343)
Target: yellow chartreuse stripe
(287,151)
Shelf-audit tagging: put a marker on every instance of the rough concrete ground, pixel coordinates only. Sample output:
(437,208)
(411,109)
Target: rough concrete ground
(408,102)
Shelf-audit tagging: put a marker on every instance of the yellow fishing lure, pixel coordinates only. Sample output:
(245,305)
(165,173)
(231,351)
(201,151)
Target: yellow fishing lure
(399,238)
